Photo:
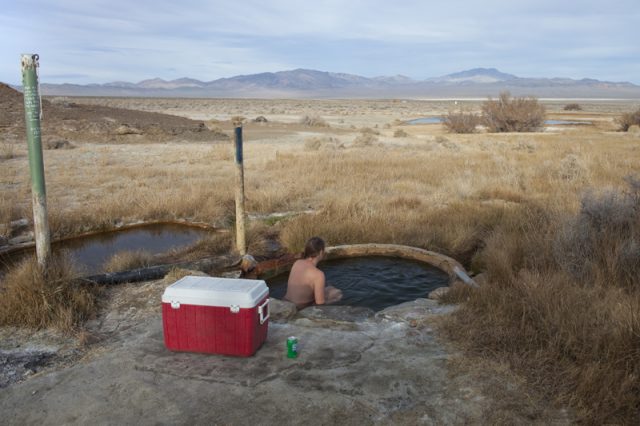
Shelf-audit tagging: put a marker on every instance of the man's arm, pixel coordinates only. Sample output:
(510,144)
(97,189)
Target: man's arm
(318,288)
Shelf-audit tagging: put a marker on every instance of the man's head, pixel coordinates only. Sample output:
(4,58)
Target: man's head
(313,248)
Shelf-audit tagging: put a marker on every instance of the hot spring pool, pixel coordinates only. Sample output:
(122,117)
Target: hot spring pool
(373,281)
(91,252)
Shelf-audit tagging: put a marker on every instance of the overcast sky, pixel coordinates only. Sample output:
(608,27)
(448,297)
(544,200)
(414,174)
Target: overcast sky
(98,41)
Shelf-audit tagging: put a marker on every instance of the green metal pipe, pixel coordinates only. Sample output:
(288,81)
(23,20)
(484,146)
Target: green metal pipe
(241,244)
(32,116)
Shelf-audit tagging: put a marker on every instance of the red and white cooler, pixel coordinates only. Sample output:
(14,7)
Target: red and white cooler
(215,315)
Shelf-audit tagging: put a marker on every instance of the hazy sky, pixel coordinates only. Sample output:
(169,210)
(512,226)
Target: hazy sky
(98,41)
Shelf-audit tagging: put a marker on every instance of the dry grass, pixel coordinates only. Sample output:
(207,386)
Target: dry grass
(369,131)
(513,205)
(365,139)
(58,144)
(513,115)
(325,142)
(562,305)
(9,211)
(128,260)
(31,298)
(212,245)
(7,151)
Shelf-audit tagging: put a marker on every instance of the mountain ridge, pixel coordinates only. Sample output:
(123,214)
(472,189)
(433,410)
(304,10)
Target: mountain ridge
(309,83)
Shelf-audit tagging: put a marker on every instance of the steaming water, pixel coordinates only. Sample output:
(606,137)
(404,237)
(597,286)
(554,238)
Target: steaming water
(373,282)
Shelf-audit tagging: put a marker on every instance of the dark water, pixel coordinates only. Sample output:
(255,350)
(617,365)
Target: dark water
(436,120)
(373,282)
(90,253)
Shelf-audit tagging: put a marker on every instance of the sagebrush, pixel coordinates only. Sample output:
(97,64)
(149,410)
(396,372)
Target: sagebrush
(628,119)
(507,114)
(461,122)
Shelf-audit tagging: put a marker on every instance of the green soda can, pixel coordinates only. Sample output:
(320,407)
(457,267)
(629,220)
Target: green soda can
(292,347)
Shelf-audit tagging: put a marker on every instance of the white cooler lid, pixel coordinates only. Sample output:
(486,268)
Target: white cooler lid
(213,291)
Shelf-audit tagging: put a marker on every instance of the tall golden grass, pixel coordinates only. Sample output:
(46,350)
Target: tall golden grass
(128,260)
(31,297)
(561,303)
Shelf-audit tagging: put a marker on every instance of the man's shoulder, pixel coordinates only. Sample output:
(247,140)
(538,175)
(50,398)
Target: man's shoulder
(317,273)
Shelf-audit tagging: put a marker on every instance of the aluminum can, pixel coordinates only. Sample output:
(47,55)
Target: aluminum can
(292,347)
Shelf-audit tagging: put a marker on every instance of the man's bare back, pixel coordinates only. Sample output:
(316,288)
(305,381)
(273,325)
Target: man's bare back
(306,284)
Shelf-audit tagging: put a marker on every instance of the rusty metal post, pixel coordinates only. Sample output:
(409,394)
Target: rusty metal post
(32,116)
(241,244)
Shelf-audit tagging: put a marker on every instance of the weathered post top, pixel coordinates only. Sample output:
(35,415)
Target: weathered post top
(29,60)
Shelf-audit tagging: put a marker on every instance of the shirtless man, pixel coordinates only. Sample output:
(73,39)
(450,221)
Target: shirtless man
(306,284)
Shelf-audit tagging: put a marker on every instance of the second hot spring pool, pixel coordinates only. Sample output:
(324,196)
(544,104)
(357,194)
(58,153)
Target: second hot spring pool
(373,281)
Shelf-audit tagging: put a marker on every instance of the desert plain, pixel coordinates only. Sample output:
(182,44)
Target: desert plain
(505,205)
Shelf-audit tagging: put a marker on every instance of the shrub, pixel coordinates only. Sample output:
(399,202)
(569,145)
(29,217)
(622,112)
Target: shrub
(365,139)
(603,242)
(326,142)
(446,143)
(58,144)
(54,298)
(628,119)
(399,133)
(369,131)
(573,107)
(313,121)
(7,151)
(460,122)
(513,115)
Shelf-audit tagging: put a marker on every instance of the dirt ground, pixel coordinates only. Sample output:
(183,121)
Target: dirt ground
(68,120)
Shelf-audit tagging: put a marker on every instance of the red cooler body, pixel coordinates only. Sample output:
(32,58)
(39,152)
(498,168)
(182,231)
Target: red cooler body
(215,315)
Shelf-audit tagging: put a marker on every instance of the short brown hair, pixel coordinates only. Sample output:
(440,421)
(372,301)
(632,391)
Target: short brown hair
(313,247)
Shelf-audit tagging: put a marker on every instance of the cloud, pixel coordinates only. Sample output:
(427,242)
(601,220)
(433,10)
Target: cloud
(208,39)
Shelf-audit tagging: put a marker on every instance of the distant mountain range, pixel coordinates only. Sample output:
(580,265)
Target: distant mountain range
(303,83)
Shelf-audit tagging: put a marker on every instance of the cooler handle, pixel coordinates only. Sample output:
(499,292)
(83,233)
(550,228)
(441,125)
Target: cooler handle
(261,309)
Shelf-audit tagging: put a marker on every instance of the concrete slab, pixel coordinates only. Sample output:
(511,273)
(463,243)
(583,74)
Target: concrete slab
(354,368)
(364,375)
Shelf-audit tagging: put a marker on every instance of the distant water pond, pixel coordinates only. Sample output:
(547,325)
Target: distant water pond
(425,120)
(566,122)
(91,252)
(437,120)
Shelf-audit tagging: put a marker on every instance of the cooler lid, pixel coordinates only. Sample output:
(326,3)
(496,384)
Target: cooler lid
(214,291)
